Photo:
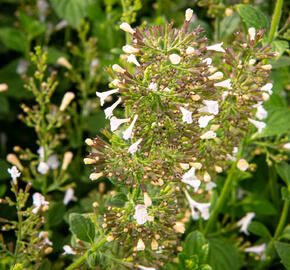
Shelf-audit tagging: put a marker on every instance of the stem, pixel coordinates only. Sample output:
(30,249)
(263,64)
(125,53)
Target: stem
(275,20)
(283,218)
(19,233)
(273,186)
(220,203)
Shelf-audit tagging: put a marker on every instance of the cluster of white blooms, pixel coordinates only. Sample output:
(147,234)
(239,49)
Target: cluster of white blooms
(14,173)
(38,202)
(52,162)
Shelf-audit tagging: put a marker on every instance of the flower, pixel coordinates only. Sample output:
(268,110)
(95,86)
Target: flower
(179,227)
(216,76)
(14,173)
(196,207)
(261,112)
(190,179)
(38,202)
(252,33)
(258,124)
(140,245)
(145,268)
(127,28)
(132,59)
(129,49)
(287,146)
(242,165)
(266,67)
(188,14)
(147,199)
(204,120)
(109,111)
(22,66)
(217,47)
(225,84)
(118,69)
(186,115)
(104,95)
(67,158)
(127,134)
(174,58)
(62,61)
(141,214)
(232,157)
(208,61)
(115,123)
(53,162)
(44,236)
(69,196)
(210,186)
(208,135)
(190,50)
(42,167)
(245,222)
(256,249)
(267,88)
(211,107)
(134,147)
(153,86)
(67,98)
(68,250)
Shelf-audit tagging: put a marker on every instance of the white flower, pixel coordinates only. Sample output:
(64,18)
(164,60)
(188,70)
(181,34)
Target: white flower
(109,111)
(174,58)
(53,162)
(211,106)
(252,62)
(104,95)
(40,152)
(287,146)
(216,76)
(145,268)
(68,250)
(69,196)
(118,69)
(188,14)
(115,123)
(208,61)
(67,99)
(132,59)
(14,173)
(186,115)
(217,47)
(225,84)
(245,222)
(232,157)
(38,202)
(127,28)
(242,165)
(153,86)
(204,120)
(256,249)
(225,94)
(196,207)
(210,186)
(62,24)
(22,66)
(258,124)
(44,236)
(141,214)
(190,179)
(42,167)
(261,112)
(140,245)
(134,147)
(129,49)
(190,50)
(267,88)
(252,33)
(127,134)
(266,67)
(208,135)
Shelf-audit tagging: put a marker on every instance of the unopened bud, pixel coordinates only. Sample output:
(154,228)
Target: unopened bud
(267,67)
(45,208)
(188,14)
(265,96)
(214,127)
(242,165)
(195,97)
(216,76)
(89,161)
(218,169)
(147,200)
(140,245)
(68,97)
(252,62)
(13,159)
(184,166)
(206,177)
(196,165)
(102,187)
(95,205)
(118,69)
(89,142)
(48,250)
(228,12)
(154,244)
(252,33)
(67,158)
(127,28)
(174,58)
(130,49)
(157,236)
(3,87)
(179,227)
(64,62)
(190,50)
(96,176)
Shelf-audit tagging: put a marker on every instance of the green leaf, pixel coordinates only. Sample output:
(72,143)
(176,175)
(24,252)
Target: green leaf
(45,265)
(55,214)
(259,206)
(82,227)
(229,24)
(283,169)
(279,46)
(4,105)
(253,17)
(285,193)
(96,122)
(283,250)
(119,199)
(286,233)
(71,10)
(222,255)
(259,229)
(53,54)
(4,175)
(283,61)
(14,39)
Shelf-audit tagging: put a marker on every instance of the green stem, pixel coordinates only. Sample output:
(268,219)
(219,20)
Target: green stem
(283,219)
(275,20)
(19,233)
(273,186)
(220,203)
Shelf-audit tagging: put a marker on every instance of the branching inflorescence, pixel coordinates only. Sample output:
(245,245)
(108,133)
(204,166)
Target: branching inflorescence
(188,106)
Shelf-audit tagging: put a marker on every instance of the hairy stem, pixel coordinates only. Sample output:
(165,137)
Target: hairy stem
(275,20)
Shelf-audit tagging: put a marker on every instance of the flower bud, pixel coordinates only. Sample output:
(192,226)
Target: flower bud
(252,33)
(130,49)
(228,12)
(174,58)
(68,97)
(118,69)
(89,161)
(13,159)
(208,135)
(267,67)
(64,62)
(3,87)
(48,250)
(218,169)
(154,244)
(242,165)
(127,28)
(110,238)
(265,96)
(179,227)
(190,50)
(67,158)
(196,165)
(216,76)
(206,177)
(89,142)
(252,62)
(140,245)
(184,166)
(188,14)
(95,176)
(147,200)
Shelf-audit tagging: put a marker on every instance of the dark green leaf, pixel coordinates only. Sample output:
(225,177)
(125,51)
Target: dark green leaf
(45,265)
(229,24)
(253,17)
(283,169)
(55,214)
(4,105)
(14,39)
(283,250)
(82,227)
(259,229)
(286,233)
(95,122)
(279,46)
(4,175)
(283,61)
(118,199)
(71,10)
(222,255)
(285,194)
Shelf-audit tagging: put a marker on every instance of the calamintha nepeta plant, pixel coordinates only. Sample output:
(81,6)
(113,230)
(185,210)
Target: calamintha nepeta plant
(188,106)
